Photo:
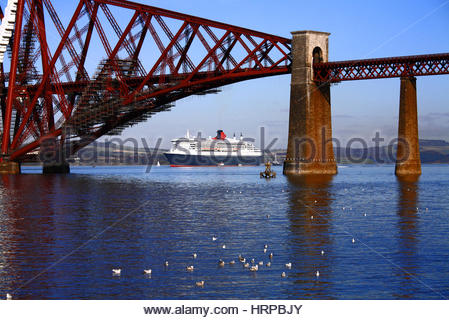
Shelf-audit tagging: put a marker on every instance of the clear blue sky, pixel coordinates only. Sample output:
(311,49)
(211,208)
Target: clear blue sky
(359,29)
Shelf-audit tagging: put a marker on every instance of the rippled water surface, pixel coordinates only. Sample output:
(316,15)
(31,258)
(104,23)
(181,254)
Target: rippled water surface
(61,235)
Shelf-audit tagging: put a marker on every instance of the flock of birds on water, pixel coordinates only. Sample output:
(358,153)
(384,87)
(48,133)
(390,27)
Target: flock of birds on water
(250,265)
(253,267)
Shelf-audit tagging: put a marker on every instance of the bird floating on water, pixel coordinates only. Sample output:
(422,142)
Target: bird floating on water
(264,250)
(254,268)
(223,246)
(283,275)
(260,263)
(147,271)
(364,214)
(317,273)
(270,255)
(166,263)
(288,265)
(266,246)
(221,263)
(268,264)
(311,217)
(231,262)
(253,260)
(116,271)
(322,252)
(353,240)
(194,256)
(189,268)
(200,283)
(214,238)
(246,265)
(8,296)
(241,259)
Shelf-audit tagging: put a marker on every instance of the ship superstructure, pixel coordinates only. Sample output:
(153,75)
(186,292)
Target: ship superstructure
(217,151)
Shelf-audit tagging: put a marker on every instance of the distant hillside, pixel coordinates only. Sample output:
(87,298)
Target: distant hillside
(431,151)
(100,153)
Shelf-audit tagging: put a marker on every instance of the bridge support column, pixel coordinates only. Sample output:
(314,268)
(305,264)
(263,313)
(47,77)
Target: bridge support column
(408,160)
(9,167)
(309,149)
(50,168)
(53,158)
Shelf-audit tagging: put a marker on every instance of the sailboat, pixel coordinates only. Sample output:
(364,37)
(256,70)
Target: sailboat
(275,161)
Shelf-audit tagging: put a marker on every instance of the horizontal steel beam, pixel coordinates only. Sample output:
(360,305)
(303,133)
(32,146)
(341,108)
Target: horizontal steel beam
(406,66)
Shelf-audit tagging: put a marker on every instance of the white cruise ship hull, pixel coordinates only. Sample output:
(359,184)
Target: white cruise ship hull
(215,159)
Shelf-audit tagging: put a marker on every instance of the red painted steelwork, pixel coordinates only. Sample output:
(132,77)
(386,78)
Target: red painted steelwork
(408,66)
(145,60)
(196,56)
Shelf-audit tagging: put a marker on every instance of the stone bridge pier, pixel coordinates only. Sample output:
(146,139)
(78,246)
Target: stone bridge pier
(408,160)
(309,149)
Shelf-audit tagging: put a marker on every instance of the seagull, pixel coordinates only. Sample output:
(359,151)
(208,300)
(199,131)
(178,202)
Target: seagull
(254,268)
(283,275)
(364,214)
(166,263)
(353,240)
(148,271)
(214,238)
(288,265)
(317,273)
(189,268)
(264,250)
(116,271)
(266,246)
(221,263)
(322,252)
(268,264)
(8,296)
(224,246)
(200,283)
(270,255)
(194,256)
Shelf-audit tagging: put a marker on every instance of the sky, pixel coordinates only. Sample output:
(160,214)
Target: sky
(359,29)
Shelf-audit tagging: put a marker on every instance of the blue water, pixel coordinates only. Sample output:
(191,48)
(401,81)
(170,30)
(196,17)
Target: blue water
(61,235)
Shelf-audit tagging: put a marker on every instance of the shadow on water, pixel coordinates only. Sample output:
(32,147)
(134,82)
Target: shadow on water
(310,214)
(407,238)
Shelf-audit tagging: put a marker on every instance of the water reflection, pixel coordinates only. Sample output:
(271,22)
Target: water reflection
(408,228)
(310,215)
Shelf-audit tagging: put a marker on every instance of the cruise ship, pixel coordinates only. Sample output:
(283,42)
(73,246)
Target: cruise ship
(218,151)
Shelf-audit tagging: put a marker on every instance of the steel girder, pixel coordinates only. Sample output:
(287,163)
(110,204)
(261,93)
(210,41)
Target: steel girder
(408,66)
(145,60)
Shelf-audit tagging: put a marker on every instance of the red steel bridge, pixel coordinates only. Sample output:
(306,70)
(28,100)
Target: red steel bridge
(115,63)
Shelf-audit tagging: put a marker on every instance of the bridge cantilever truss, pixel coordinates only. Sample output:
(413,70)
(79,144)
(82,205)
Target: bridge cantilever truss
(145,61)
(102,75)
